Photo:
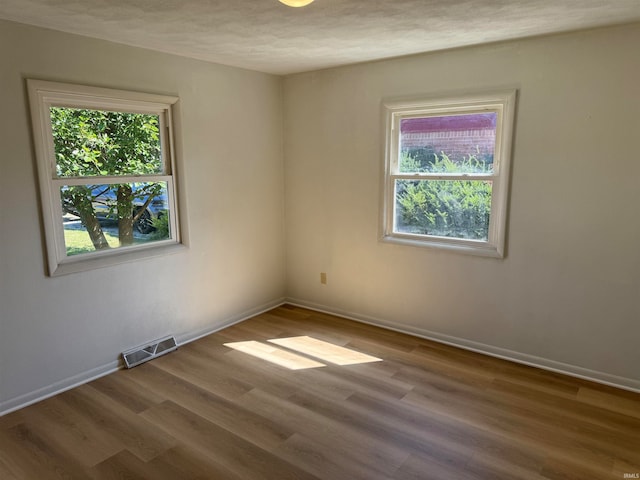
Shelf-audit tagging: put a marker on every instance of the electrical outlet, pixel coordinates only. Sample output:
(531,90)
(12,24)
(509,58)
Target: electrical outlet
(323,278)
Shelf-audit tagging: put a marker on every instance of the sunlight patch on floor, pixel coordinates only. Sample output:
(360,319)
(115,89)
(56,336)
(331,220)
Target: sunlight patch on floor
(324,350)
(275,355)
(308,346)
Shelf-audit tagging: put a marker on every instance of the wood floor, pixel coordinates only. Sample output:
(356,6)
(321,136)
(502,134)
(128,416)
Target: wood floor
(425,411)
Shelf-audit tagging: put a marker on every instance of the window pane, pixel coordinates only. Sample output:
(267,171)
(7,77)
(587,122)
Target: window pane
(97,143)
(443,208)
(105,216)
(448,143)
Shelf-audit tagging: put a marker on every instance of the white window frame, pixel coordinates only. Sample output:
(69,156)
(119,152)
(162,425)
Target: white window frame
(500,102)
(42,96)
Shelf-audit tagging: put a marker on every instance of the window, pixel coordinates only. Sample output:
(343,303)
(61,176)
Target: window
(447,172)
(106,173)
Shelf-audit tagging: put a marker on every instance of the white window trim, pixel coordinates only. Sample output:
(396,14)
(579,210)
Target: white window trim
(502,102)
(42,96)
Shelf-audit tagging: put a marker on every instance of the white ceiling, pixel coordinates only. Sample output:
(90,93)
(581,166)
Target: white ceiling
(267,36)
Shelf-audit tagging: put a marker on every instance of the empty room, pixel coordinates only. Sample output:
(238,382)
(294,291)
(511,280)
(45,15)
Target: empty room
(325,240)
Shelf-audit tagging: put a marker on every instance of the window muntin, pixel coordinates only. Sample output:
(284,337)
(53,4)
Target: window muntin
(446,172)
(106,172)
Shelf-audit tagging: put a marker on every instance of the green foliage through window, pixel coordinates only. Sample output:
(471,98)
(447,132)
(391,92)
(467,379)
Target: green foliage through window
(98,143)
(440,207)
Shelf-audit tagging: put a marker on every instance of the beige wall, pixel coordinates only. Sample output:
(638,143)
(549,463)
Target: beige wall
(567,294)
(55,331)
(565,297)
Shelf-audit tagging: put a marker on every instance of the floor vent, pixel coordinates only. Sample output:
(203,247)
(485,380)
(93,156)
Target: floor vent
(149,351)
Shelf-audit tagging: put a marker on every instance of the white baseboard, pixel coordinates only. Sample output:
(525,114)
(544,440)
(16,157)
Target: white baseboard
(505,354)
(633,385)
(30,398)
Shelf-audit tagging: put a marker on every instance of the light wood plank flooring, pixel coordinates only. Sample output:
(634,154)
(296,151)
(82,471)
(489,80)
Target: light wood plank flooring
(425,411)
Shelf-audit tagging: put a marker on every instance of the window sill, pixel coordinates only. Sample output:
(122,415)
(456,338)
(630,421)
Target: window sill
(79,264)
(466,247)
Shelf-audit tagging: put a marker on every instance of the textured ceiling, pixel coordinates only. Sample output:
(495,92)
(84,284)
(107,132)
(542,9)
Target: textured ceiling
(267,36)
